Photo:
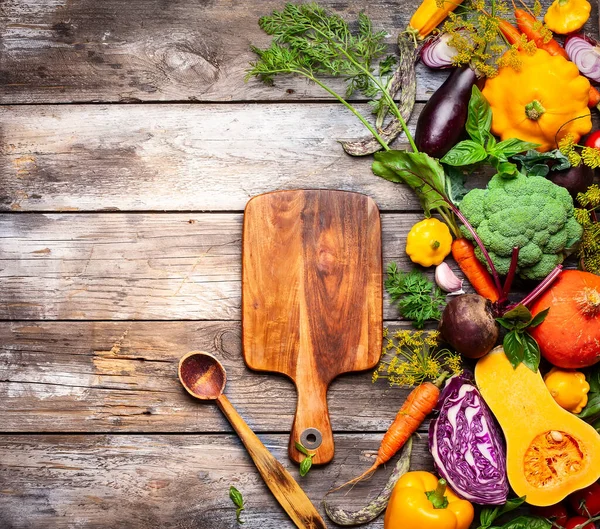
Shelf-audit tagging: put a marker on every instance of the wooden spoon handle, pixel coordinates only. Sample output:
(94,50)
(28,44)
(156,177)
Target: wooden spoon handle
(284,487)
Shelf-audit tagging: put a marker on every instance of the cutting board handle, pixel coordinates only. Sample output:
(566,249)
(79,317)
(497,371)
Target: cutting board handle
(312,413)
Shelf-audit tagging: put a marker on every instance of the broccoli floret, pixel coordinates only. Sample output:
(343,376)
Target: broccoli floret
(530,212)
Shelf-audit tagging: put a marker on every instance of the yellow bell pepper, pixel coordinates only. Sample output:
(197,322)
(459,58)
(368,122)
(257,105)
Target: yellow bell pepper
(566,16)
(428,16)
(420,501)
(540,101)
(569,388)
(428,242)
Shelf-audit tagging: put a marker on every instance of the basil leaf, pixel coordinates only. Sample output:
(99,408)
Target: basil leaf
(421,172)
(519,313)
(466,152)
(305,465)
(538,318)
(528,522)
(513,348)
(505,168)
(479,120)
(507,324)
(487,517)
(593,378)
(455,184)
(236,497)
(531,352)
(300,448)
(592,407)
(511,505)
(513,146)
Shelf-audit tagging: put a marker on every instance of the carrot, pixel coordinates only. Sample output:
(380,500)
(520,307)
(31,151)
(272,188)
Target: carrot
(420,402)
(510,32)
(594,97)
(528,25)
(483,283)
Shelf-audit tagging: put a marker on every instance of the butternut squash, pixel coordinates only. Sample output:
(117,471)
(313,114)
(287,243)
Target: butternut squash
(550,453)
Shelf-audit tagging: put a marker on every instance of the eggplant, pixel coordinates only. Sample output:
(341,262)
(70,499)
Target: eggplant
(442,120)
(574,179)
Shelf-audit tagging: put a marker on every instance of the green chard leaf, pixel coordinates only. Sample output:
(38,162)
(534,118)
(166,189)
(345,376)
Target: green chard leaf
(466,152)
(479,120)
(534,163)
(421,172)
(455,184)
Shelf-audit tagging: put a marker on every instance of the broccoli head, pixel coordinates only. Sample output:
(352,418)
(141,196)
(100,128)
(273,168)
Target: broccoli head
(530,212)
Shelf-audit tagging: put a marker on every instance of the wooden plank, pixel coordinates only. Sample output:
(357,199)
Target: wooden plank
(179,157)
(152,50)
(175,481)
(136,266)
(122,377)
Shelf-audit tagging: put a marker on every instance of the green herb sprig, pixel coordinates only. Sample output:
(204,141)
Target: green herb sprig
(518,344)
(483,147)
(306,463)
(418,298)
(238,501)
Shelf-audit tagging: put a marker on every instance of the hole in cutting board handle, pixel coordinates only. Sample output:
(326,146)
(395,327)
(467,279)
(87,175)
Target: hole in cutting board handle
(311,438)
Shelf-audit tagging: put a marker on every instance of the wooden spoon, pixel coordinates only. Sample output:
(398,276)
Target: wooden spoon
(203,376)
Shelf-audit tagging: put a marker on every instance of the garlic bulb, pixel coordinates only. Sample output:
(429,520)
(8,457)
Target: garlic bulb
(446,279)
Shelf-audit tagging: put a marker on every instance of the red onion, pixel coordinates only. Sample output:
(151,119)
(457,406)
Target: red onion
(585,53)
(437,53)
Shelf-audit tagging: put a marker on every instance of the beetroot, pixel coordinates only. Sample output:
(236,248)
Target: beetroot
(468,325)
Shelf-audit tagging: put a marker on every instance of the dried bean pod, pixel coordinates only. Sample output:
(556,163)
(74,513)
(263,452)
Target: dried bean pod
(404,78)
(378,505)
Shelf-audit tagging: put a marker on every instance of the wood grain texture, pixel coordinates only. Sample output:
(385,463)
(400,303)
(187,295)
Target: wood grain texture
(136,266)
(284,487)
(152,50)
(311,296)
(179,157)
(180,482)
(122,377)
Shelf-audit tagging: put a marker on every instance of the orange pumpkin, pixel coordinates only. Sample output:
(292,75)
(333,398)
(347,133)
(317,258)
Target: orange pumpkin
(569,337)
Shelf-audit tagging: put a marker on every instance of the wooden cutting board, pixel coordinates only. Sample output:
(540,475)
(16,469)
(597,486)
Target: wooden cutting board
(311,297)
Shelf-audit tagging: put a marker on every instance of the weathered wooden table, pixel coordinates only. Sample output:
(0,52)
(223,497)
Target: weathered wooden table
(129,146)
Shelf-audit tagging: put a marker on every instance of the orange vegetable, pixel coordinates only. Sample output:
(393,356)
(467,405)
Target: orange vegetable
(594,97)
(477,274)
(569,337)
(510,32)
(530,26)
(419,403)
(429,15)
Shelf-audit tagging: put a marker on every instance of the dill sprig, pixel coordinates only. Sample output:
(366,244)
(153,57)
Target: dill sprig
(417,297)
(309,41)
(589,248)
(411,357)
(477,37)
(589,156)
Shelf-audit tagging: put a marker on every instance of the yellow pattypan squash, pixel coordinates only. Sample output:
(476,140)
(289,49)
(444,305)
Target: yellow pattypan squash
(428,242)
(566,16)
(538,102)
(569,388)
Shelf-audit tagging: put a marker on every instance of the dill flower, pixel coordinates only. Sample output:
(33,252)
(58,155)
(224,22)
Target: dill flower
(412,357)
(591,157)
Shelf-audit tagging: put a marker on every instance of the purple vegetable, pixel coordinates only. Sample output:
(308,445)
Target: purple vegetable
(467,447)
(585,53)
(437,53)
(442,120)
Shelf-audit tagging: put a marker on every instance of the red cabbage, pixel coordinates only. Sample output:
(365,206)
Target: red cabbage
(467,446)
